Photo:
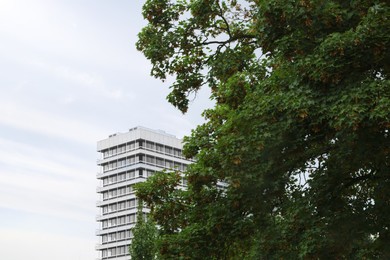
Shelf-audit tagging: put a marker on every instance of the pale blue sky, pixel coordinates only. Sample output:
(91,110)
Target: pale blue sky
(70,76)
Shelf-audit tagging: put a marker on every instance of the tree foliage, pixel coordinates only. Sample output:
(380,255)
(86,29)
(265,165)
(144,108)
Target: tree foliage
(144,243)
(299,131)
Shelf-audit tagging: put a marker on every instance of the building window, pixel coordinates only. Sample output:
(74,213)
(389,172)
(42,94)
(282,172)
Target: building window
(149,173)
(130,175)
(168,164)
(150,159)
(159,148)
(150,145)
(111,252)
(121,163)
(121,250)
(130,146)
(160,162)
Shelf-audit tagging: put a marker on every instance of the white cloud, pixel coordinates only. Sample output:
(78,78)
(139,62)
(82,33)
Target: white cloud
(23,244)
(32,180)
(32,198)
(47,161)
(46,123)
(30,22)
(91,81)
(67,100)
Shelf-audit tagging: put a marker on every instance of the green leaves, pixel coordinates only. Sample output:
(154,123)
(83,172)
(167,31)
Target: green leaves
(181,38)
(299,134)
(144,243)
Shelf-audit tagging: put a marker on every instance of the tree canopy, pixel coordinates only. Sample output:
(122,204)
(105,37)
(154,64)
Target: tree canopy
(144,243)
(299,132)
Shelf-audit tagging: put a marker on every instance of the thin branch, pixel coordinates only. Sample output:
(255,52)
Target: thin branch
(231,39)
(225,21)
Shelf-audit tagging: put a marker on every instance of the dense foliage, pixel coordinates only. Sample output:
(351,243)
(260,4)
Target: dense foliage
(299,131)
(143,245)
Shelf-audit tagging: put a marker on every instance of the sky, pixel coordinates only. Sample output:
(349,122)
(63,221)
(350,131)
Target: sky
(70,75)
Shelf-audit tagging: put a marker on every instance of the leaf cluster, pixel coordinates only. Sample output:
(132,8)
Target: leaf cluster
(144,243)
(293,161)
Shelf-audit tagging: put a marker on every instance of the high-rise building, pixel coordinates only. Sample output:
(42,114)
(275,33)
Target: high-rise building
(126,159)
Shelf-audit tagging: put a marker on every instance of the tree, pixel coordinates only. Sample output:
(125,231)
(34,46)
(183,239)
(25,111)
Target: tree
(143,245)
(299,131)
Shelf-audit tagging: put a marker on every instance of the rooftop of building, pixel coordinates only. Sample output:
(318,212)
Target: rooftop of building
(139,132)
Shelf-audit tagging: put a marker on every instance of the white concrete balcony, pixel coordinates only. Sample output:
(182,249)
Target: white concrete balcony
(100,232)
(116,199)
(120,184)
(116,214)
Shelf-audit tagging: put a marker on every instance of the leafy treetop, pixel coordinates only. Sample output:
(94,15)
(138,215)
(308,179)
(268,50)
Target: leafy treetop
(299,131)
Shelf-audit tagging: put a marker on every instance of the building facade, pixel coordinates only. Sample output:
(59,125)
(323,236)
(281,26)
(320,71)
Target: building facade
(126,159)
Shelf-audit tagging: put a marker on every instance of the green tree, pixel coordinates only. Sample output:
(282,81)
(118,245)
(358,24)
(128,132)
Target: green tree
(144,243)
(299,131)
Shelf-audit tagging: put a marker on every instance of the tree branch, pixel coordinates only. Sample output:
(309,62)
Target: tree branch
(231,39)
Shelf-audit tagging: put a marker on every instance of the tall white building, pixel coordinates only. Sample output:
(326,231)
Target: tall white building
(126,159)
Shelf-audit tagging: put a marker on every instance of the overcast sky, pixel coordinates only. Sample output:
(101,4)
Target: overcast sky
(70,76)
